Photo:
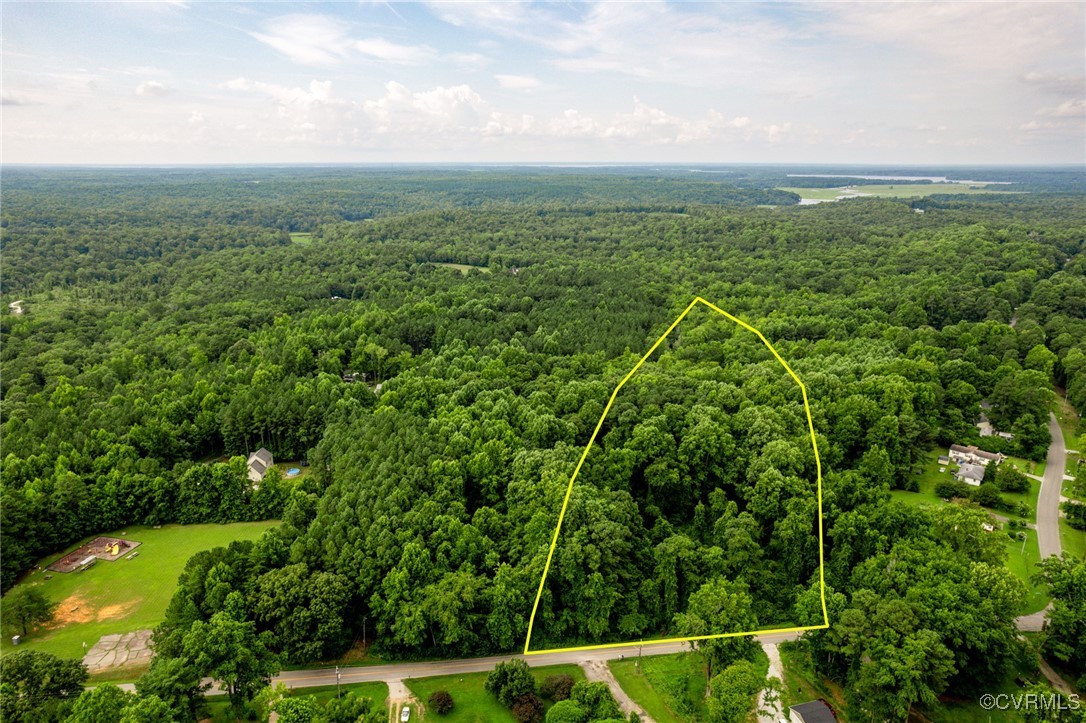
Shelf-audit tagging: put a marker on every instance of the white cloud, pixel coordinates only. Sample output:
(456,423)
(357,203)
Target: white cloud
(1074,108)
(1055,84)
(518,82)
(308,39)
(402,111)
(389,52)
(152,88)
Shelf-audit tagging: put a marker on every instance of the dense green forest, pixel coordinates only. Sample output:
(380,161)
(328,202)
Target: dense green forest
(170,319)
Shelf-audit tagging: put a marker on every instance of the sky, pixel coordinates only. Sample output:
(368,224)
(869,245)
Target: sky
(174,82)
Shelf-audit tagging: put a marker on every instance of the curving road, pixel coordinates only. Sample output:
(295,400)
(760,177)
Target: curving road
(1048,500)
(1048,512)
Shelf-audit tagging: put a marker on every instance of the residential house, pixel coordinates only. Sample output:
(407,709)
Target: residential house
(260,462)
(973,455)
(971,474)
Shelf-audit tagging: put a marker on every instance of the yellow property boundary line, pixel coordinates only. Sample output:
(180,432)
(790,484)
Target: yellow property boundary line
(569,490)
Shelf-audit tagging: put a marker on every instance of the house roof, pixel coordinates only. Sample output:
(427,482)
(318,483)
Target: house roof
(814,711)
(971,471)
(259,462)
(976,452)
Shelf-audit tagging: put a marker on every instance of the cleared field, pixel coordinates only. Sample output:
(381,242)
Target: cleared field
(472,704)
(671,688)
(127,594)
(911,190)
(301,238)
(462,268)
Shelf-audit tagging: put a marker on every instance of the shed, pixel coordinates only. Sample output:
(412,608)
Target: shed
(815,711)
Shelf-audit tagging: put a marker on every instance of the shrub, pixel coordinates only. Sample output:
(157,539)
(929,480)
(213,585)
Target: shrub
(528,708)
(441,702)
(1009,479)
(556,687)
(510,680)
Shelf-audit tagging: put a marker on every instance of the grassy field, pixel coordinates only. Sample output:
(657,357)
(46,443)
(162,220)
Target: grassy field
(802,683)
(1073,541)
(124,595)
(1023,563)
(472,703)
(887,190)
(670,688)
(462,268)
(301,238)
(378,692)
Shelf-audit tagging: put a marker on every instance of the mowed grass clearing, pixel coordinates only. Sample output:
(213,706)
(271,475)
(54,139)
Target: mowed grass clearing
(472,704)
(301,238)
(671,688)
(123,595)
(908,190)
(462,268)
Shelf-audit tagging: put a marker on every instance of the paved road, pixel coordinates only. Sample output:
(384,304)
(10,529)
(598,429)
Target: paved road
(403,671)
(1048,500)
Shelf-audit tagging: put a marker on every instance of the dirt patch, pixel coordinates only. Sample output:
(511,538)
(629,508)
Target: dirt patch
(76,609)
(73,609)
(113,612)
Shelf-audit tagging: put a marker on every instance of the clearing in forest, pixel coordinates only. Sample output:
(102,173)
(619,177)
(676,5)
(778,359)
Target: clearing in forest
(584,455)
(126,595)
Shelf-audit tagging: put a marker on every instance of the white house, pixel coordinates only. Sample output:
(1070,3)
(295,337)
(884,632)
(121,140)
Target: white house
(973,455)
(260,462)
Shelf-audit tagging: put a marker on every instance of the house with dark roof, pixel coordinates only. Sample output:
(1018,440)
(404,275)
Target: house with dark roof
(260,462)
(815,711)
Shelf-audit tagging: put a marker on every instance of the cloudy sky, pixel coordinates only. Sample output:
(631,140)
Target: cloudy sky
(251,82)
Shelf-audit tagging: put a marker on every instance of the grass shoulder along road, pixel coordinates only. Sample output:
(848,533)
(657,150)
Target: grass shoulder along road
(220,712)
(670,688)
(471,702)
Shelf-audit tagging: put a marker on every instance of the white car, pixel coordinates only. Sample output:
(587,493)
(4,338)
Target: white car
(405,714)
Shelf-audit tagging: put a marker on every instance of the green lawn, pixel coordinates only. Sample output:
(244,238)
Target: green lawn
(378,692)
(472,703)
(1023,563)
(125,595)
(670,688)
(1072,540)
(301,238)
(462,268)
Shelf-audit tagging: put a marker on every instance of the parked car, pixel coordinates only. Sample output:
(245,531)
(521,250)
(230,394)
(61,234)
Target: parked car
(405,714)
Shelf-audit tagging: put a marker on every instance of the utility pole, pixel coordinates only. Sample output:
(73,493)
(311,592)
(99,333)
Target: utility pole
(337,681)
(640,643)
